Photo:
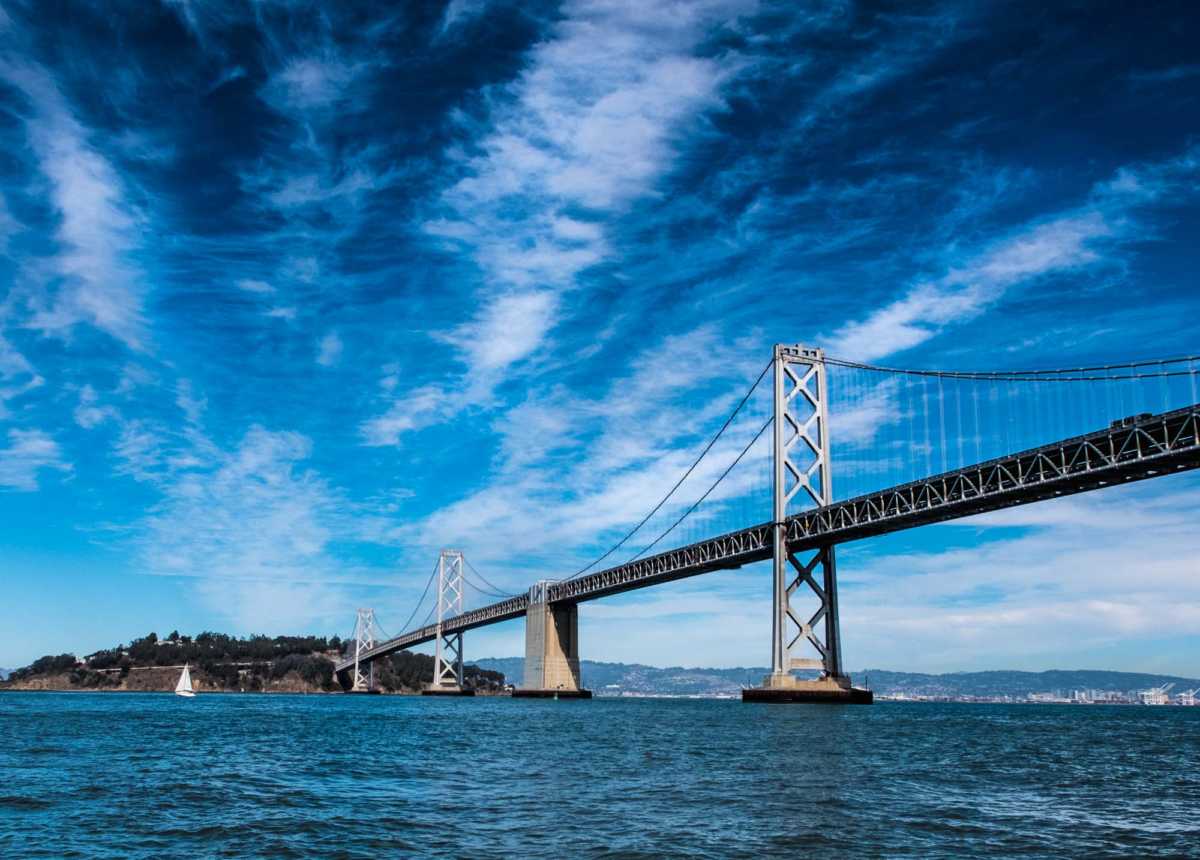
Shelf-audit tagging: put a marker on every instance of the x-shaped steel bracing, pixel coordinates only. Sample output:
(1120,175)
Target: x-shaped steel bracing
(802,463)
(448,659)
(364,640)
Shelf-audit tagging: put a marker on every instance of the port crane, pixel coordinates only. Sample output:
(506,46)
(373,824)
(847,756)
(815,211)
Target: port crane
(1157,695)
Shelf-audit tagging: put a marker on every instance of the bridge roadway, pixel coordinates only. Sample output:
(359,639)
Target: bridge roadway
(1155,445)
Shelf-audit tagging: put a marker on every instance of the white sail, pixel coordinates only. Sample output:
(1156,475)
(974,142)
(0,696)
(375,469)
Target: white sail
(184,687)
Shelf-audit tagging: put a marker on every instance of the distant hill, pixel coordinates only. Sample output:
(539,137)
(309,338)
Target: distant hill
(619,678)
(4,674)
(1016,684)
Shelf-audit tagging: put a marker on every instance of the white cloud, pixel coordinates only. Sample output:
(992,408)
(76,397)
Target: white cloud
(572,469)
(966,292)
(417,409)
(89,413)
(98,226)
(576,231)
(591,123)
(254,527)
(311,83)
(1076,239)
(251,285)
(329,350)
(28,452)
(507,330)
(189,403)
(303,189)
(287,313)
(17,375)
(142,452)
(458,11)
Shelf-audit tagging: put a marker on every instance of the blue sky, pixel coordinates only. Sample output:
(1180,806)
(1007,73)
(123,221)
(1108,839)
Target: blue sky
(295,294)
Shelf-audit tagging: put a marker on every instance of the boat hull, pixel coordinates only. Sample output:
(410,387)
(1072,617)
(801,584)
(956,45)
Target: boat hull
(187,694)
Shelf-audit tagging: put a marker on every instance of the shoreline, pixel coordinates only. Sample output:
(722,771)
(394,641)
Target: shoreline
(73,692)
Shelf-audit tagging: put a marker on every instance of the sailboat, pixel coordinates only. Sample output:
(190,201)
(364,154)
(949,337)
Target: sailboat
(184,687)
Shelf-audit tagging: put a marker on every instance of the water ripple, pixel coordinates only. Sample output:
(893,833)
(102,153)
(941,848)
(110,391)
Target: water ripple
(351,777)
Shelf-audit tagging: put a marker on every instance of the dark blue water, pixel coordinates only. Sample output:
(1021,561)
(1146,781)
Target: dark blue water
(123,775)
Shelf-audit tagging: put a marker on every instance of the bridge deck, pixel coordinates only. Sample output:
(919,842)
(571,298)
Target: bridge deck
(1157,445)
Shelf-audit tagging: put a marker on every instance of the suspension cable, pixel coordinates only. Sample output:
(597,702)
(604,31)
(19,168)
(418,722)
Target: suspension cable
(486,592)
(429,617)
(417,608)
(495,588)
(678,483)
(1034,375)
(696,504)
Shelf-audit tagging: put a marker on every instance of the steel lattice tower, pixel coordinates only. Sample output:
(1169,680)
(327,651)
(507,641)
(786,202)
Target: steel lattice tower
(801,462)
(448,658)
(364,640)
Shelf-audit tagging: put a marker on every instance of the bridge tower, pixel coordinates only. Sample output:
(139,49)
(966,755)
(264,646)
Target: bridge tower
(448,654)
(804,599)
(364,641)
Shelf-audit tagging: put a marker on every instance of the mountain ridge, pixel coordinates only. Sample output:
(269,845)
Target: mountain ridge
(605,678)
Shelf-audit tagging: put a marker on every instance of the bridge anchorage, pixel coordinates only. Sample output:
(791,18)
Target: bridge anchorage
(1101,418)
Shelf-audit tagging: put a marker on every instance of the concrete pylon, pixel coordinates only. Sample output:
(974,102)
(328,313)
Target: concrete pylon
(551,649)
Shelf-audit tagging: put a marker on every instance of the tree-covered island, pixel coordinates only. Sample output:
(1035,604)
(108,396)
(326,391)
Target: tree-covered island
(285,664)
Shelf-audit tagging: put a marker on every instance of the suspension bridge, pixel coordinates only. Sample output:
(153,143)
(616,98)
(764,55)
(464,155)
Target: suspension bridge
(914,447)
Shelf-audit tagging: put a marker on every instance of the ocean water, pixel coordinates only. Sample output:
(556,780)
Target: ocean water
(156,776)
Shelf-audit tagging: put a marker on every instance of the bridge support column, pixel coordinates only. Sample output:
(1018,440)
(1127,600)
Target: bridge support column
(551,649)
(448,656)
(801,462)
(363,680)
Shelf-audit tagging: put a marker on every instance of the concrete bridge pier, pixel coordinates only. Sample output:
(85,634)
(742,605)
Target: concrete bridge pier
(551,649)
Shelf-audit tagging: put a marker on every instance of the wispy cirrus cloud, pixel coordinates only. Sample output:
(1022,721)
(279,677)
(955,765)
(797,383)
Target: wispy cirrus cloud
(589,127)
(1077,239)
(419,408)
(253,527)
(17,375)
(329,349)
(572,469)
(966,292)
(248,525)
(27,454)
(311,83)
(92,278)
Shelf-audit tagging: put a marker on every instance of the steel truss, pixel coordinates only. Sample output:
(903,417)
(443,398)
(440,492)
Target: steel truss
(1157,445)
(364,642)
(801,463)
(448,657)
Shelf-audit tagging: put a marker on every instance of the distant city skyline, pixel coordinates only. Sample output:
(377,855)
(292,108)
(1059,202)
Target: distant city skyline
(297,295)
